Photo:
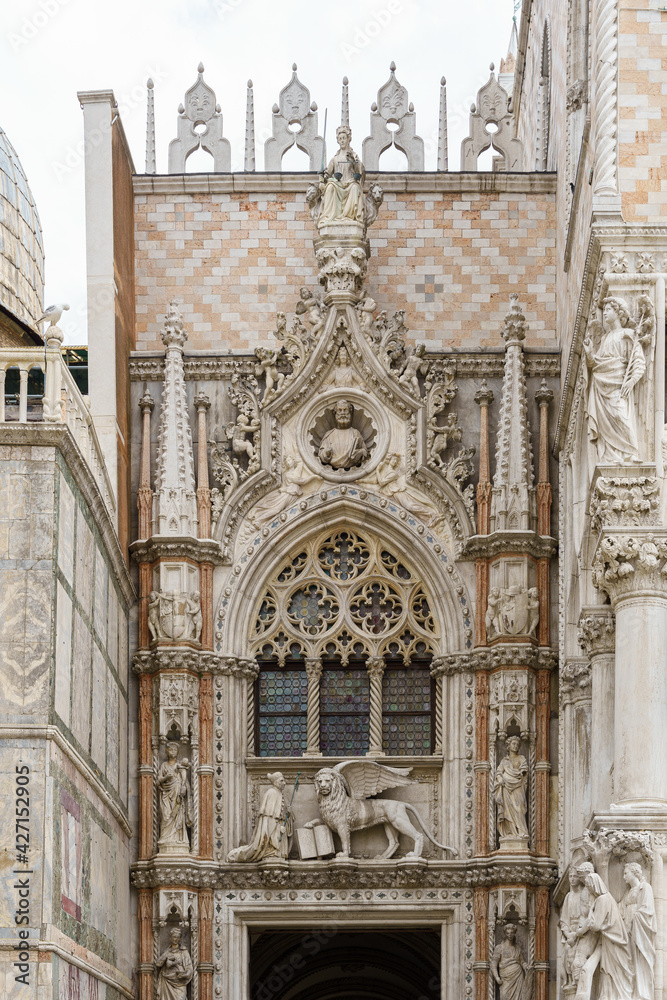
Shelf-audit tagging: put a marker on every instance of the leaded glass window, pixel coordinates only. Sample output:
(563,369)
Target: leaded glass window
(344,633)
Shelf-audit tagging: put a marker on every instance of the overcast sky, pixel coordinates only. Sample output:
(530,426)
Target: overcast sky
(50,49)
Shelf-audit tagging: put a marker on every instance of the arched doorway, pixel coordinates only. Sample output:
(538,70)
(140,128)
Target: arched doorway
(327,964)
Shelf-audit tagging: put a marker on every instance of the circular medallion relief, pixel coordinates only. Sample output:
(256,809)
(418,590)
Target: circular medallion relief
(343,435)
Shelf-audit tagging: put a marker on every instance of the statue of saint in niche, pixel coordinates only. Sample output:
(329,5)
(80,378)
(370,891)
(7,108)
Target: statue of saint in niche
(175,802)
(343,447)
(342,184)
(510,792)
(176,970)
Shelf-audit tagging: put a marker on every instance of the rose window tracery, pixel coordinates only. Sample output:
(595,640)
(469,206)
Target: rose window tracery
(344,634)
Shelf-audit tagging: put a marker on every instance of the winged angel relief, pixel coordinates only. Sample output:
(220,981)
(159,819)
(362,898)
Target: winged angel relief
(345,799)
(618,353)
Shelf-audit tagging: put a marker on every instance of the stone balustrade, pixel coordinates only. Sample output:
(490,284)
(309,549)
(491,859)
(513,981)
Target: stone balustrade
(62,403)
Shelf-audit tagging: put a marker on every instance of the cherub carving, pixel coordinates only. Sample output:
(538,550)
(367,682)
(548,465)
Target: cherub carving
(443,436)
(309,307)
(237,434)
(345,803)
(267,366)
(415,365)
(491,620)
(366,309)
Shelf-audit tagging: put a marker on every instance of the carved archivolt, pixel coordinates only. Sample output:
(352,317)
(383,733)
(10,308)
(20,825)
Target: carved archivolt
(344,595)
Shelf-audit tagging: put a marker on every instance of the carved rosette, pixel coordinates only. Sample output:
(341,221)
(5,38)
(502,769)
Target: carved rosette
(626,564)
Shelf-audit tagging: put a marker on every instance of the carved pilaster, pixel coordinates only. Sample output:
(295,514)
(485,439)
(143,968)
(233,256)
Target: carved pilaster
(375,668)
(482,764)
(481,914)
(145,766)
(484,397)
(542,765)
(541,944)
(144,492)
(206,766)
(544,396)
(145,915)
(202,405)
(205,966)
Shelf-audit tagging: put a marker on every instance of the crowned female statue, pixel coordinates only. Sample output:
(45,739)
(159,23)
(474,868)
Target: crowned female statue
(342,184)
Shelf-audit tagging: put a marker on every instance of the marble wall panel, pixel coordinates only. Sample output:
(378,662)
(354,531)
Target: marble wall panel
(101,881)
(75,984)
(98,743)
(63,653)
(84,563)
(101,596)
(66,531)
(81,679)
(13,754)
(112,734)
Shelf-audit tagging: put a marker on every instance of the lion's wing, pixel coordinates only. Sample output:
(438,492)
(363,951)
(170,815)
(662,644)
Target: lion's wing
(367,777)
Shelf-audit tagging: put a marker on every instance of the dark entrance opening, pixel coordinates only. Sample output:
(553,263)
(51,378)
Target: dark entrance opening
(329,964)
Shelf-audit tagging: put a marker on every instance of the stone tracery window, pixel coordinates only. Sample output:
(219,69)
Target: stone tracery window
(344,634)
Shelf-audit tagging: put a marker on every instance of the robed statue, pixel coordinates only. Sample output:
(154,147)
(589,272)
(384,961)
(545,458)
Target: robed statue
(510,792)
(271,838)
(176,970)
(175,797)
(342,184)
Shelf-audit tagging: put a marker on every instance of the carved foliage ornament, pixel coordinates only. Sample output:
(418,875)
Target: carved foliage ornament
(625,502)
(624,563)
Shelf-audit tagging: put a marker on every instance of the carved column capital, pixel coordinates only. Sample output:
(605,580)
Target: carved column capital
(375,666)
(624,502)
(597,630)
(627,565)
(237,666)
(146,402)
(313,667)
(202,402)
(484,395)
(544,394)
(575,680)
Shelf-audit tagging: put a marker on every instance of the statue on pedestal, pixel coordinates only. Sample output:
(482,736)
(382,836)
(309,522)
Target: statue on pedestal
(509,967)
(342,184)
(616,366)
(510,793)
(176,970)
(175,797)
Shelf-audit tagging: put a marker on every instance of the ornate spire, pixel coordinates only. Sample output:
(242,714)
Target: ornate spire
(175,505)
(443,163)
(513,495)
(150,127)
(345,105)
(249,160)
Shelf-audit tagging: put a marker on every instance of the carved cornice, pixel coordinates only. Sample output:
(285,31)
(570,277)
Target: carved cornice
(575,679)
(170,658)
(452,663)
(597,631)
(624,501)
(352,873)
(506,654)
(512,542)
(149,550)
(629,564)
(150,367)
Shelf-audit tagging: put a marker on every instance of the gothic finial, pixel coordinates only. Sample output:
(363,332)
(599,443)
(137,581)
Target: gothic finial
(249,159)
(443,163)
(150,127)
(294,67)
(514,327)
(345,105)
(392,66)
(200,68)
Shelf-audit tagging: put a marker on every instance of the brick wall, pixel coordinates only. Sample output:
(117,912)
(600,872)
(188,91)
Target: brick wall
(448,249)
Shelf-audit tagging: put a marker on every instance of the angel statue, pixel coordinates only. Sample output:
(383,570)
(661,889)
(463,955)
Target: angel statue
(616,368)
(344,798)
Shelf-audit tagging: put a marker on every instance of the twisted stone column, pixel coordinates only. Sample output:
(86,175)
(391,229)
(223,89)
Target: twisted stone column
(375,668)
(313,673)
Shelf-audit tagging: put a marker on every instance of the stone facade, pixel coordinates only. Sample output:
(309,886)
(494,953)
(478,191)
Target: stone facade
(333,631)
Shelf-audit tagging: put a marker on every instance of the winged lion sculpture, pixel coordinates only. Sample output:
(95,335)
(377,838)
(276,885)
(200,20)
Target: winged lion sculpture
(344,797)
